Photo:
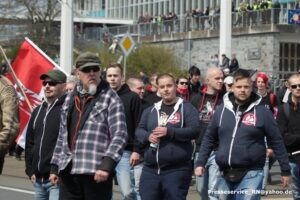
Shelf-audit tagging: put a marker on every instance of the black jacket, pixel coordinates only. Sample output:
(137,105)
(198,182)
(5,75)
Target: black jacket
(41,138)
(133,111)
(290,129)
(241,132)
(197,101)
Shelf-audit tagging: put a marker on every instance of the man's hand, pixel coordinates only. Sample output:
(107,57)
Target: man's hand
(101,176)
(286,180)
(54,179)
(153,138)
(33,178)
(134,158)
(269,152)
(199,171)
(160,131)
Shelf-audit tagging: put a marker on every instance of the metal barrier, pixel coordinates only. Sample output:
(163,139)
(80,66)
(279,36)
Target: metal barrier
(239,20)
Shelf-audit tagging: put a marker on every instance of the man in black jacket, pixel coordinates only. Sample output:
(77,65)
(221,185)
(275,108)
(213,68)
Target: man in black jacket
(206,102)
(239,127)
(42,133)
(130,167)
(288,121)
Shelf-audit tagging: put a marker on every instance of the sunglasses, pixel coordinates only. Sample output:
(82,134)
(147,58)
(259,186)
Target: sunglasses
(89,69)
(295,86)
(51,83)
(183,83)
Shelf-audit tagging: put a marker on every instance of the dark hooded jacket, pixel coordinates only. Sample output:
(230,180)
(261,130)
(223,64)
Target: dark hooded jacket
(41,137)
(133,111)
(240,132)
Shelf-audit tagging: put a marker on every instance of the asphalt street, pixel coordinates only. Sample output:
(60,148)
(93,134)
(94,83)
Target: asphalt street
(14,185)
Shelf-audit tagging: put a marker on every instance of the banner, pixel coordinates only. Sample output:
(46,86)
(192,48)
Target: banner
(28,66)
(294,17)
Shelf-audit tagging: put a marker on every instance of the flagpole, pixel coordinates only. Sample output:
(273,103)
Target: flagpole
(15,78)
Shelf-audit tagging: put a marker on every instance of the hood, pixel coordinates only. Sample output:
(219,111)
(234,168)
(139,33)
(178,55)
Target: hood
(229,102)
(57,102)
(124,89)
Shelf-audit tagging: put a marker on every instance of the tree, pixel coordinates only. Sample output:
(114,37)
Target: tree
(153,59)
(38,21)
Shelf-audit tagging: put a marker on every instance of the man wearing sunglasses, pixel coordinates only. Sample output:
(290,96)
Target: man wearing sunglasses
(288,121)
(42,133)
(92,136)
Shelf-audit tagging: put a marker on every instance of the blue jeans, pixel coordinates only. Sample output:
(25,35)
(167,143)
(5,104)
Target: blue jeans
(249,188)
(129,177)
(295,186)
(208,180)
(44,190)
(266,173)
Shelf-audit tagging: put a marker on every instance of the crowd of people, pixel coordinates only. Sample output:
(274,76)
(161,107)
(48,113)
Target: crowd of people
(260,11)
(151,134)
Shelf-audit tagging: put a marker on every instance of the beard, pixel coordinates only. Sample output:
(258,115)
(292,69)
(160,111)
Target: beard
(92,89)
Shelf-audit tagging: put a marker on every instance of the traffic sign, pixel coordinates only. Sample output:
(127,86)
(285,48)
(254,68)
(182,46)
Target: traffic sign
(127,44)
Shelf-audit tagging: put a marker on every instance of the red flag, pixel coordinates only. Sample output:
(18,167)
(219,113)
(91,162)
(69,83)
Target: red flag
(28,66)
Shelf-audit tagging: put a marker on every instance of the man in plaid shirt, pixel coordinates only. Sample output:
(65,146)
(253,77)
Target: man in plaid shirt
(91,138)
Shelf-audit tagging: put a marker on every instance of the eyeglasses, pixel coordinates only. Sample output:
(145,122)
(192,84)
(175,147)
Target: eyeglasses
(295,86)
(89,69)
(51,83)
(183,83)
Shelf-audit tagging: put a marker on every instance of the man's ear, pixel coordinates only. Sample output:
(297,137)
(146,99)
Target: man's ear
(286,83)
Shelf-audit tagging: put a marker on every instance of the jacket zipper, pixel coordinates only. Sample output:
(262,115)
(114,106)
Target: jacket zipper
(42,138)
(158,167)
(237,120)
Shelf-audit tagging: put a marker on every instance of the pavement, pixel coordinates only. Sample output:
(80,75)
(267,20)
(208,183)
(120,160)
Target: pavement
(14,170)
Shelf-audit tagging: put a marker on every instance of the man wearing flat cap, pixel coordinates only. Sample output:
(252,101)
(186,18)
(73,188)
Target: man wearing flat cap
(42,133)
(92,136)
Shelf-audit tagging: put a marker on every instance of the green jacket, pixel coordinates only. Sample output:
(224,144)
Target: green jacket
(9,113)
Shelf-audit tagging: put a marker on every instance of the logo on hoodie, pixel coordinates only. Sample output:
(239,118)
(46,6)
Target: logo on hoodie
(174,119)
(249,119)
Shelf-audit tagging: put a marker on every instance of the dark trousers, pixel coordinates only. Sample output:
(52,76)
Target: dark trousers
(83,187)
(2,156)
(173,185)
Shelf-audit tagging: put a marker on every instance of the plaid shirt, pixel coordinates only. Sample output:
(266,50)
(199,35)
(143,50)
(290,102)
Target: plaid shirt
(101,140)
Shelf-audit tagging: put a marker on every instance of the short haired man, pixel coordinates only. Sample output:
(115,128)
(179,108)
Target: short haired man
(206,103)
(151,92)
(9,117)
(137,85)
(288,121)
(239,127)
(167,129)
(225,62)
(92,135)
(130,167)
(42,133)
(195,84)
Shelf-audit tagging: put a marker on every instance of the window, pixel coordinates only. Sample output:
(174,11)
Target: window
(289,57)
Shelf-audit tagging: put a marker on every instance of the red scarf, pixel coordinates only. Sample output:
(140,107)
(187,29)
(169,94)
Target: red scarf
(184,93)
